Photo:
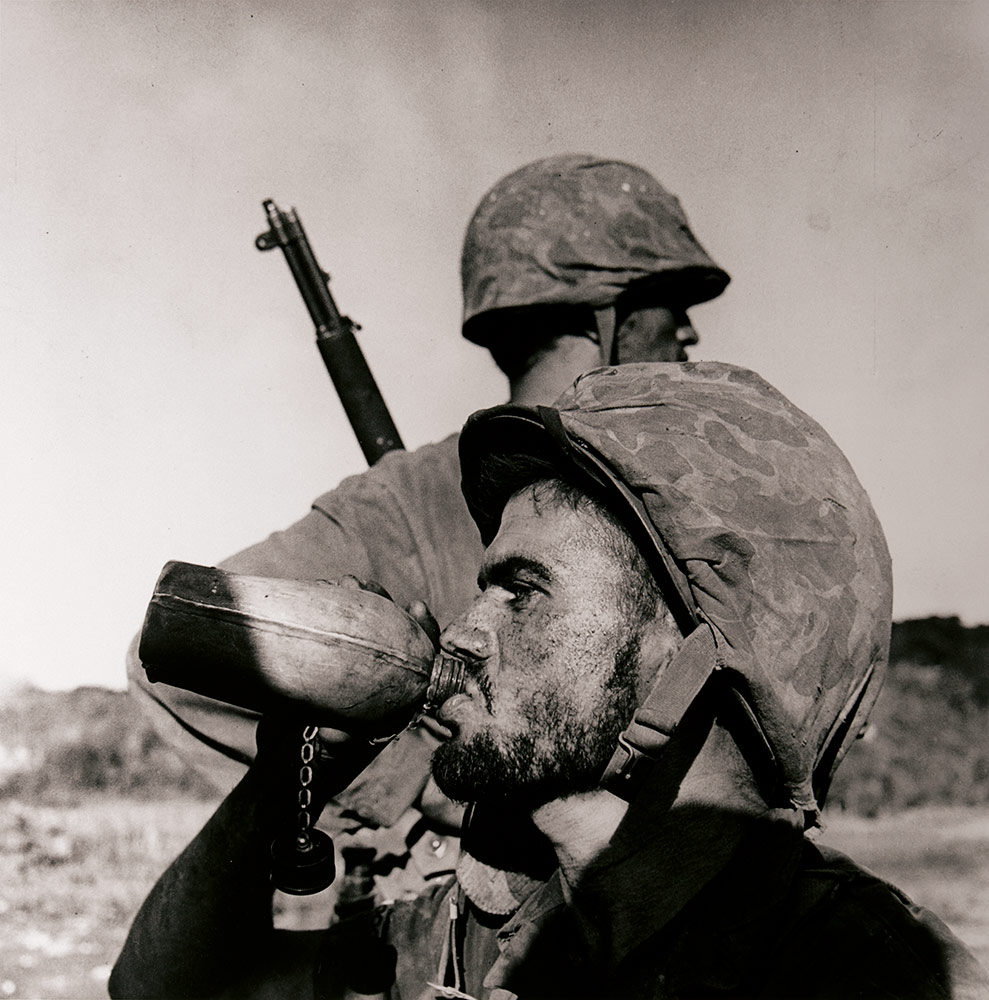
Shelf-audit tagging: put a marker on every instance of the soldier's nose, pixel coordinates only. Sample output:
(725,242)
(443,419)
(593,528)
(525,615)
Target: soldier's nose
(468,641)
(686,334)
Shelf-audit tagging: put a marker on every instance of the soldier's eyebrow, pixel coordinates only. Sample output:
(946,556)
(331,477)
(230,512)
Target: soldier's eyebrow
(508,568)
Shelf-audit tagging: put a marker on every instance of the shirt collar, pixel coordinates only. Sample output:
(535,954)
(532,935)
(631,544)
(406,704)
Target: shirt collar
(702,905)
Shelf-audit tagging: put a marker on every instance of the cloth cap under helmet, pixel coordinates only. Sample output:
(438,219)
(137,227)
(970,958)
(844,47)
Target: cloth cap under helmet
(578,230)
(754,523)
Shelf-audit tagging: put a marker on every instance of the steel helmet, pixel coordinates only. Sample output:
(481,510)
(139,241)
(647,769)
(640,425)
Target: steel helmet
(762,539)
(578,230)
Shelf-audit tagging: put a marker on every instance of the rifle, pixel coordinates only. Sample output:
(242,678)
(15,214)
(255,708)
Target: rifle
(342,355)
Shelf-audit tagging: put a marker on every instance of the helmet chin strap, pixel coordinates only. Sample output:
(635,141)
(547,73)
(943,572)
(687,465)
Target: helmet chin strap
(607,341)
(656,719)
(696,666)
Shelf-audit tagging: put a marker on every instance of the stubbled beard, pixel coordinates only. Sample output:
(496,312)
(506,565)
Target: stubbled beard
(479,769)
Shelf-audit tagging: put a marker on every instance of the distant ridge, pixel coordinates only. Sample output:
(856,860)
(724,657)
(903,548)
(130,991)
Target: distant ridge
(946,643)
(59,745)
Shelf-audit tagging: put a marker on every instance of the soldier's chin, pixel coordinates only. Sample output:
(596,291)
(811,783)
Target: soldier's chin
(472,769)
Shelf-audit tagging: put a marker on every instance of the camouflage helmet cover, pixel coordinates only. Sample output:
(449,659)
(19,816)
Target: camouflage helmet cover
(578,230)
(780,549)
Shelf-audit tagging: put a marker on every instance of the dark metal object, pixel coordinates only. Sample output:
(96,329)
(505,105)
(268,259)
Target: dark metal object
(304,863)
(342,355)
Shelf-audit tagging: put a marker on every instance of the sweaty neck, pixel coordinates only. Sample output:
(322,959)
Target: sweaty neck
(554,370)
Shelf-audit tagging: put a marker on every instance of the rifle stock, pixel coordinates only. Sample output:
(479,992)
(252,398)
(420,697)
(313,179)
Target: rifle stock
(355,385)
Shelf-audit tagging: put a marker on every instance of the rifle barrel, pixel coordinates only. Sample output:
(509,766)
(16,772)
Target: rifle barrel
(344,360)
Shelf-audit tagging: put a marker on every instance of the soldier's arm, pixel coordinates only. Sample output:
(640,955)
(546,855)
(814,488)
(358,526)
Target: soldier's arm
(210,909)
(206,927)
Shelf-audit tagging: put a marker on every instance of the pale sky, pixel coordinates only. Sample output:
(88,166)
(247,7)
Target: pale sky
(162,395)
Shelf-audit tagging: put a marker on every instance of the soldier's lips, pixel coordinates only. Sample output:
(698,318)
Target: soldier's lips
(455,709)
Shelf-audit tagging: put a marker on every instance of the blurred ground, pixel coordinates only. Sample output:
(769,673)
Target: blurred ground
(72,878)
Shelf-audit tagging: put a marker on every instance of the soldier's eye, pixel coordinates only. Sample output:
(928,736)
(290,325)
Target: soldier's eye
(522,591)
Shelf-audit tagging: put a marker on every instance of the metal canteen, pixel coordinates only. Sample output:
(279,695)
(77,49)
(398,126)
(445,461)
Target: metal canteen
(343,657)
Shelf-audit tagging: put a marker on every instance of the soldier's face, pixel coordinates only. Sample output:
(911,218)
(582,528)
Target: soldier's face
(553,660)
(655,333)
